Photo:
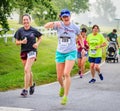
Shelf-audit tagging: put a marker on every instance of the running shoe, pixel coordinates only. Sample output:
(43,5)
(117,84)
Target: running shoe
(101,76)
(79,72)
(64,100)
(61,92)
(32,89)
(81,75)
(24,93)
(92,81)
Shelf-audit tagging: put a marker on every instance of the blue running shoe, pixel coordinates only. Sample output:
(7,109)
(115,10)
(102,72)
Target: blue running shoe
(101,76)
(92,81)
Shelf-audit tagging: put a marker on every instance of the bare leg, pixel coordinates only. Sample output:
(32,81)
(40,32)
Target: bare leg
(31,79)
(27,71)
(97,68)
(79,63)
(92,69)
(60,71)
(68,67)
(83,65)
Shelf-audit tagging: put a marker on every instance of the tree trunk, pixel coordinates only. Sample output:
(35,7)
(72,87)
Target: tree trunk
(20,16)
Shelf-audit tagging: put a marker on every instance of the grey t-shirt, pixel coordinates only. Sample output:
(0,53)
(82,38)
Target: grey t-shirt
(30,35)
(67,37)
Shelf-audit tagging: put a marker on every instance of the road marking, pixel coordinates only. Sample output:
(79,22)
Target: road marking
(14,109)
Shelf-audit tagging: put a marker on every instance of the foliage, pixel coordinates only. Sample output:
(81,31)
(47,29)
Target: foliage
(25,6)
(52,11)
(75,6)
(5,9)
(44,12)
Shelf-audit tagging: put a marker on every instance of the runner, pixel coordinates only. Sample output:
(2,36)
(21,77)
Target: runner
(96,42)
(82,59)
(66,53)
(26,37)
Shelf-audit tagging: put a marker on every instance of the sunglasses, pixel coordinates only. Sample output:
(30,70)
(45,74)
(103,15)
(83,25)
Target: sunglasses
(66,12)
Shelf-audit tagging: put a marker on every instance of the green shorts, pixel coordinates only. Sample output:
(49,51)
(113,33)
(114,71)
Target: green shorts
(62,57)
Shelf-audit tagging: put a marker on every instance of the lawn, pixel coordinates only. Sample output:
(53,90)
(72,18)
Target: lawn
(44,69)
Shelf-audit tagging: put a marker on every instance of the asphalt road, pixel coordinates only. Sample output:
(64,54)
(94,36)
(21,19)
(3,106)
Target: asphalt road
(100,96)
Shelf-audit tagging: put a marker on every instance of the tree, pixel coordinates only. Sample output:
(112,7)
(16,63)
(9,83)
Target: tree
(23,6)
(42,13)
(75,6)
(5,9)
(43,10)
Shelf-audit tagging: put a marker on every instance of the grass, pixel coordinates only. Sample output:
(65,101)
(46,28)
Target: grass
(11,69)
(44,69)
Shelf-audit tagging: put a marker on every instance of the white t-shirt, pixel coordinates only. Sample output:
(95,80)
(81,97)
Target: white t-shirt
(67,37)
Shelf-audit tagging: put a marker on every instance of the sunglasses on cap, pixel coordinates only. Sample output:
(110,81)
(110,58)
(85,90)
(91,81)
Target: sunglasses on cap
(65,13)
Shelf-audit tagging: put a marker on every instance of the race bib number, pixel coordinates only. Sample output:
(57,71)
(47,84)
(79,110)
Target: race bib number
(65,41)
(31,54)
(93,51)
(113,39)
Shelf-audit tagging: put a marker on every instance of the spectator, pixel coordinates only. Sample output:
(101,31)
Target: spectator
(113,37)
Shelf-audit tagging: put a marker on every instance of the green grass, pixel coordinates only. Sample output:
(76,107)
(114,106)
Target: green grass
(44,69)
(11,69)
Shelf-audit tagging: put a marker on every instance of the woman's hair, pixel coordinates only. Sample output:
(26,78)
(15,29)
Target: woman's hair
(95,26)
(27,15)
(84,30)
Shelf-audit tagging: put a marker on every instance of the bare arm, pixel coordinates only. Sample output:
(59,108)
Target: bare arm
(37,43)
(52,24)
(117,43)
(19,42)
(102,45)
(82,44)
(49,25)
(108,39)
(81,40)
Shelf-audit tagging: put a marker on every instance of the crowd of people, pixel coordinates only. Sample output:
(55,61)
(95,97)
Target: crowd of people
(73,44)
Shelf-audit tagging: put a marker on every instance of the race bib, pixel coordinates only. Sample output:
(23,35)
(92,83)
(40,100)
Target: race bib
(113,39)
(31,54)
(93,51)
(65,41)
